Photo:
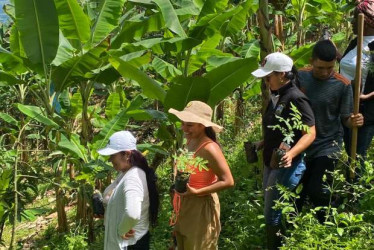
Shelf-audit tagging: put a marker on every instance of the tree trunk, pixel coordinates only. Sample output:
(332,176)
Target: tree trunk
(239,112)
(266,44)
(220,111)
(84,209)
(278,24)
(87,132)
(81,205)
(71,172)
(61,214)
(62,223)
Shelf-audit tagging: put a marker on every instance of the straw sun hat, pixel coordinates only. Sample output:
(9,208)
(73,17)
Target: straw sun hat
(198,112)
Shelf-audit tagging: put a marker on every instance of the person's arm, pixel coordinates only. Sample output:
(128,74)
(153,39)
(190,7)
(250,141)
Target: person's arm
(217,162)
(307,118)
(303,143)
(365,97)
(133,195)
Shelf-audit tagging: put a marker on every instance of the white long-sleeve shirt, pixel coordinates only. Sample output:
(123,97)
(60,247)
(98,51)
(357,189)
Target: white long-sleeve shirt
(127,208)
(348,62)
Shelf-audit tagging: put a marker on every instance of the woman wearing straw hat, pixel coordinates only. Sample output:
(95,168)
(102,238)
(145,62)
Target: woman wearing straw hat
(132,200)
(348,70)
(279,73)
(198,224)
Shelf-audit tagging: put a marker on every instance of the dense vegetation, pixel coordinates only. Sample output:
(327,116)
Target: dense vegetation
(72,72)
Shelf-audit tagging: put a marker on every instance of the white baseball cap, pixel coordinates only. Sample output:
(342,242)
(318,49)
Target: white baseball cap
(119,141)
(277,61)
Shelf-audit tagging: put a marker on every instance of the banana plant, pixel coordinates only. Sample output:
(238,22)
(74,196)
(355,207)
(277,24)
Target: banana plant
(62,45)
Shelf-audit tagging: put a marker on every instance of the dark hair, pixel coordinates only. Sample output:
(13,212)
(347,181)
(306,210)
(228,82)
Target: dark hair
(138,160)
(211,134)
(292,75)
(324,50)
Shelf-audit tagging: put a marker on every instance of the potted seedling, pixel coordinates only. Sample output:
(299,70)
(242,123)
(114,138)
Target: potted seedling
(288,131)
(186,165)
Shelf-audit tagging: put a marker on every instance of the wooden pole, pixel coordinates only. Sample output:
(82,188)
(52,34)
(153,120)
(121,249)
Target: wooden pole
(356,94)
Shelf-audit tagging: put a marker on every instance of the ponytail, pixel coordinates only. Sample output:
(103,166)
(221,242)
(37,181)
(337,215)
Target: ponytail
(138,160)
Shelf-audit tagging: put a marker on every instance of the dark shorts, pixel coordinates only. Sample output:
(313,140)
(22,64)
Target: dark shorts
(142,244)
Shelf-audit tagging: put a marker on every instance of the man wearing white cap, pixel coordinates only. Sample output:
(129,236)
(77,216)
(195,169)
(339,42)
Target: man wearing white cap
(132,199)
(279,74)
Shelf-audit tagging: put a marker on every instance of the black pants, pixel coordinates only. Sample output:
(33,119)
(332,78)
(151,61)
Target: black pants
(142,244)
(313,185)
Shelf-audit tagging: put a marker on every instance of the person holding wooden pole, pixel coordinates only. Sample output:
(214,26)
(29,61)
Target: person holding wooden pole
(331,98)
(356,61)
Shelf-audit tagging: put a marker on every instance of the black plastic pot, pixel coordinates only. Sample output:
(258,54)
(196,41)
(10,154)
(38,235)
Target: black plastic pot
(181,181)
(250,152)
(276,157)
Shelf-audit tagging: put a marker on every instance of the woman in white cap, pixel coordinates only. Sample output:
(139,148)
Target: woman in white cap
(132,200)
(279,74)
(197,223)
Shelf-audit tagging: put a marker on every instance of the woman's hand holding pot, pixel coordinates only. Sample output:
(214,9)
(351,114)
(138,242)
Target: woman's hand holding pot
(190,191)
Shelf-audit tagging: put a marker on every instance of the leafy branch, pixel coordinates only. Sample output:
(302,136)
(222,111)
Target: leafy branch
(186,162)
(290,125)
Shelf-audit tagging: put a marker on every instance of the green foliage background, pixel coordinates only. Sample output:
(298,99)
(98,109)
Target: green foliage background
(73,72)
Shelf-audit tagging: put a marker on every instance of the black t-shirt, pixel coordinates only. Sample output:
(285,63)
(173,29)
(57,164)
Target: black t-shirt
(273,138)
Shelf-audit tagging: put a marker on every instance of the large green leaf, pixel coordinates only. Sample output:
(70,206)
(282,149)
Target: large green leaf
(79,67)
(302,55)
(135,29)
(170,17)
(216,61)
(145,115)
(37,23)
(11,62)
(65,51)
(119,122)
(107,20)
(185,89)
(7,79)
(177,44)
(9,119)
(113,105)
(187,8)
(254,89)
(138,58)
(76,104)
(73,21)
(197,61)
(73,146)
(150,87)
(216,20)
(229,76)
(212,6)
(239,20)
(165,69)
(15,42)
(36,113)
(152,148)
(107,76)
(251,49)
(210,24)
